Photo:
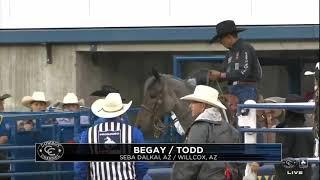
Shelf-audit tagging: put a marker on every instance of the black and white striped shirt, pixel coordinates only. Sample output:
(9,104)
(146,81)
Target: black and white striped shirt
(111,132)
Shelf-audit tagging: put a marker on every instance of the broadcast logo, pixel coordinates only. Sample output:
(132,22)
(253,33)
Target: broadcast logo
(50,151)
(295,167)
(303,163)
(289,163)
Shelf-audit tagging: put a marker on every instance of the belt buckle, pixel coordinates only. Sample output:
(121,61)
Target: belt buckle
(235,83)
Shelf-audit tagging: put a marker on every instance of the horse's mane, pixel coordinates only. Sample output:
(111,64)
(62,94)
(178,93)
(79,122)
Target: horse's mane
(181,82)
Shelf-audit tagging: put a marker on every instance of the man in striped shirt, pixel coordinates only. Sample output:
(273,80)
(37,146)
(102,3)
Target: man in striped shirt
(112,130)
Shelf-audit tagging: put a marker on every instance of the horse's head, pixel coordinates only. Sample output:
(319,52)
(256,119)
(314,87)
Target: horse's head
(158,101)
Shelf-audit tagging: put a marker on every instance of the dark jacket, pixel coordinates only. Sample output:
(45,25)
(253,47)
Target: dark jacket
(209,127)
(242,64)
(294,145)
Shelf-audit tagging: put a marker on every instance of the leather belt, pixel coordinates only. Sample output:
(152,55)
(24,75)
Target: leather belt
(244,82)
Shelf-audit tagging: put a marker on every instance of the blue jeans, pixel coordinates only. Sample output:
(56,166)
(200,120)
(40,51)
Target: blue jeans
(244,92)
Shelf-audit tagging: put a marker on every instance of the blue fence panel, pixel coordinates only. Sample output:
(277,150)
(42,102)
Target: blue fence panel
(22,155)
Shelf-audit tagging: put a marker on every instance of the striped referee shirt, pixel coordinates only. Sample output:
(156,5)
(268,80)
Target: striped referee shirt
(106,133)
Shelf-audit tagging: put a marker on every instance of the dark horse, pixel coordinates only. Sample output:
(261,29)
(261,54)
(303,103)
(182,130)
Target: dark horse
(162,93)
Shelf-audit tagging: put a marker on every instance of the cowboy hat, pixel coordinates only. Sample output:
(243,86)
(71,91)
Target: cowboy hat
(110,107)
(5,96)
(308,73)
(224,28)
(276,112)
(294,98)
(71,98)
(36,96)
(205,94)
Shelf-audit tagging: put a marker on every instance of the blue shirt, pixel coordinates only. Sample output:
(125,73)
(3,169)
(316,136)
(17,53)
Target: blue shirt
(81,168)
(3,128)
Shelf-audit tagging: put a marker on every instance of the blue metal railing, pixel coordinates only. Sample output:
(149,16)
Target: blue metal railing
(56,134)
(12,117)
(309,106)
(277,130)
(39,173)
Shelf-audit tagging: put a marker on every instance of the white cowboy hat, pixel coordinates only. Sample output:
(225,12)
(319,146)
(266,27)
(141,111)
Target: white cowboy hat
(71,98)
(110,107)
(205,94)
(308,73)
(36,96)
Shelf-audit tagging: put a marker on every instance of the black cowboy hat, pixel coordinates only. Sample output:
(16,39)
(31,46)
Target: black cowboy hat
(294,98)
(5,96)
(104,91)
(224,28)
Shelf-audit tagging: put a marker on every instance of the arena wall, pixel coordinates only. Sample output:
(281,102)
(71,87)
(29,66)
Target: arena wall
(79,68)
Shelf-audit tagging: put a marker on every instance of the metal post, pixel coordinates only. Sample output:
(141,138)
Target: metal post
(176,67)
(76,126)
(251,122)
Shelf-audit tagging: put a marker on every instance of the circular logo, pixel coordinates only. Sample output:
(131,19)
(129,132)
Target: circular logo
(50,151)
(289,163)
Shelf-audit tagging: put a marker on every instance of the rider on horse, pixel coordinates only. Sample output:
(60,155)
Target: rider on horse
(242,69)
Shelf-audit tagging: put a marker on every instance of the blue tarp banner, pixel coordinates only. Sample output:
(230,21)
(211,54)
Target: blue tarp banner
(53,151)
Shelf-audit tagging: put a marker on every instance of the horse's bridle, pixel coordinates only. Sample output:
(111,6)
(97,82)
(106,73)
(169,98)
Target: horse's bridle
(157,123)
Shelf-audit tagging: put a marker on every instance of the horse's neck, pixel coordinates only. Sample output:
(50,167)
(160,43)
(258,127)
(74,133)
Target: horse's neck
(181,109)
(180,87)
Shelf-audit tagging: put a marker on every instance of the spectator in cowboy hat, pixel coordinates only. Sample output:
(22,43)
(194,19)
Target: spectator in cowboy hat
(294,145)
(209,126)
(115,130)
(4,168)
(2,98)
(36,103)
(72,103)
(313,119)
(270,118)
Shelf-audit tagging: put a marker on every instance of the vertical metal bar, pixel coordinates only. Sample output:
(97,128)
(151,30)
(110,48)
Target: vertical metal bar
(13,131)
(76,126)
(54,135)
(176,67)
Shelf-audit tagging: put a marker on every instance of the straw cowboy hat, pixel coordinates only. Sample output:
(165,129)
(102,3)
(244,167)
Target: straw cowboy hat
(276,112)
(110,107)
(36,96)
(225,27)
(205,94)
(71,98)
(5,96)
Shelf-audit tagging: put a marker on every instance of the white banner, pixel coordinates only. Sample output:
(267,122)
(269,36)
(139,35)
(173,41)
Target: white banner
(137,13)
